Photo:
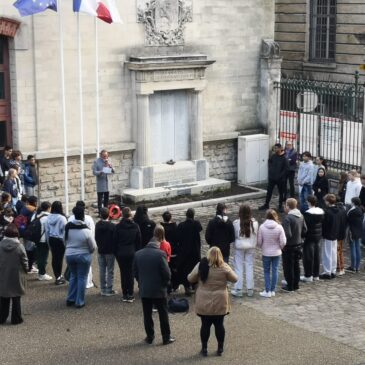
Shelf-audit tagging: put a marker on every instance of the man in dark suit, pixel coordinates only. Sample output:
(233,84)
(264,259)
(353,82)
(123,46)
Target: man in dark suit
(153,275)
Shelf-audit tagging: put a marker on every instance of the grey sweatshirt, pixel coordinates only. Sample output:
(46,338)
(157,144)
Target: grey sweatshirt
(80,241)
(55,226)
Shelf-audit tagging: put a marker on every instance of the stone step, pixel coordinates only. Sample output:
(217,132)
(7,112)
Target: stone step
(181,172)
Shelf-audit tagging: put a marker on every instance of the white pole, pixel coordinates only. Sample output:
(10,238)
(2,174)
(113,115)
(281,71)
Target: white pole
(82,168)
(97,89)
(63,109)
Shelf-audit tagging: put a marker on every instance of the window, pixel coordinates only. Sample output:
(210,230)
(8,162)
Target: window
(323,31)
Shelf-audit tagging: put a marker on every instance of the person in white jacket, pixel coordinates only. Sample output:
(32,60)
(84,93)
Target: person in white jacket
(353,187)
(246,229)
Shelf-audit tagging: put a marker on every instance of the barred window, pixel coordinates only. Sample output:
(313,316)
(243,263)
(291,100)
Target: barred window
(323,30)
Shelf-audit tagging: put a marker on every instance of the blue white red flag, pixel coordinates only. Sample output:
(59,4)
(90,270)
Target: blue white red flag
(106,10)
(30,7)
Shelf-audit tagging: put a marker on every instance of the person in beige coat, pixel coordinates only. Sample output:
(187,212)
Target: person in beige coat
(212,301)
(13,270)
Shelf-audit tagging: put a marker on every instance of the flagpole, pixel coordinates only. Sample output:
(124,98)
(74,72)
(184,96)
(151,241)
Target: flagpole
(82,168)
(97,89)
(63,109)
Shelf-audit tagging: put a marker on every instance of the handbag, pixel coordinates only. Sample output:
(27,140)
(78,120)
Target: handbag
(175,305)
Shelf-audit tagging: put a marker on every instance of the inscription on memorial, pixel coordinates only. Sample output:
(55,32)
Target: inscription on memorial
(164,20)
(169,75)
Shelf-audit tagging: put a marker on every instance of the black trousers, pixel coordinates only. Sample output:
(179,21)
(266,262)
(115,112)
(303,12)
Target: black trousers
(31,258)
(291,257)
(16,311)
(290,178)
(42,250)
(103,200)
(220,332)
(161,305)
(58,251)
(311,258)
(281,189)
(126,274)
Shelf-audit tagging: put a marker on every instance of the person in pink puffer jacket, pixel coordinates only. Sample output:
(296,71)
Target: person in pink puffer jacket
(271,239)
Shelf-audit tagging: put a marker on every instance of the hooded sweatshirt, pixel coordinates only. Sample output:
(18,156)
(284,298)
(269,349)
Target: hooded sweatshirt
(126,238)
(55,226)
(321,186)
(355,219)
(79,241)
(313,218)
(330,226)
(104,231)
(305,173)
(271,238)
(295,228)
(353,189)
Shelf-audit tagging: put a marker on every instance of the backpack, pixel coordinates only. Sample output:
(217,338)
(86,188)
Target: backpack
(178,305)
(21,222)
(33,231)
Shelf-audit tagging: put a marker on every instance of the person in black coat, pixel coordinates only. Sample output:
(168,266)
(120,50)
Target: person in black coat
(355,218)
(104,231)
(362,192)
(146,225)
(153,275)
(278,166)
(313,217)
(126,242)
(321,186)
(220,231)
(188,233)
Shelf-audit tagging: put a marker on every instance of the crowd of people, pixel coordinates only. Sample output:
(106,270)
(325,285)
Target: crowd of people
(161,256)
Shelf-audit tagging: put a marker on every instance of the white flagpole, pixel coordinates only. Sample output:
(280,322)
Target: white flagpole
(63,109)
(97,89)
(82,168)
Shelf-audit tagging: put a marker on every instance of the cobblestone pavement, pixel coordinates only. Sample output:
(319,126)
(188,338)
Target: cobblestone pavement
(334,308)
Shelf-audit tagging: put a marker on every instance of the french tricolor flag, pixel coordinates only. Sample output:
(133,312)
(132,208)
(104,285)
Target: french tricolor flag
(106,10)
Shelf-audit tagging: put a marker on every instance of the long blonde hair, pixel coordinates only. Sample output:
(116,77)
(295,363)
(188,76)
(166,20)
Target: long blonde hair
(215,257)
(159,233)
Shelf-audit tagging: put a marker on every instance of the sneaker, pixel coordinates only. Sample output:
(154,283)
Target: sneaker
(333,276)
(341,272)
(265,294)
(168,341)
(315,278)
(237,293)
(325,276)
(350,269)
(250,292)
(44,277)
(272,293)
(89,286)
(124,298)
(60,280)
(109,293)
(130,299)
(284,282)
(264,207)
(285,289)
(33,270)
(306,279)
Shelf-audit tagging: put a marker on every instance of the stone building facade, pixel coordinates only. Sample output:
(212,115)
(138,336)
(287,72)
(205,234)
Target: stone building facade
(227,33)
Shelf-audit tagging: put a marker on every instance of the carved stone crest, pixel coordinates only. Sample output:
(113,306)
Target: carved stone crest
(164,20)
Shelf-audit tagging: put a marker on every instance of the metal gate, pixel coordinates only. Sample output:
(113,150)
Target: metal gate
(323,118)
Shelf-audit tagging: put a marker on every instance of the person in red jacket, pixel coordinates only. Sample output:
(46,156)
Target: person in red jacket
(159,234)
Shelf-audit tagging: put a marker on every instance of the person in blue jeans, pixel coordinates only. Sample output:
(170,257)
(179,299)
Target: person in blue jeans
(305,180)
(80,244)
(355,218)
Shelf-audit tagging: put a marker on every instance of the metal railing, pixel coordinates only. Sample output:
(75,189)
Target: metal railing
(323,118)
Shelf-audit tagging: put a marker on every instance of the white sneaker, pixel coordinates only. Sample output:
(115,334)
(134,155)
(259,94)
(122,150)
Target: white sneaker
(272,293)
(315,278)
(284,282)
(265,294)
(90,285)
(341,272)
(237,293)
(306,279)
(44,277)
(34,270)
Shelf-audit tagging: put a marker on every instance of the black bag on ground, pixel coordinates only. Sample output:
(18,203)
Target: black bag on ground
(175,305)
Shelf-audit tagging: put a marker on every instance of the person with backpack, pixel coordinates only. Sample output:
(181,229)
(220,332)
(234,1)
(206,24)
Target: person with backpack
(37,234)
(55,231)
(211,299)
(246,229)
(355,218)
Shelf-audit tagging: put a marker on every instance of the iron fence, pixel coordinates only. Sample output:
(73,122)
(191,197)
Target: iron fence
(323,118)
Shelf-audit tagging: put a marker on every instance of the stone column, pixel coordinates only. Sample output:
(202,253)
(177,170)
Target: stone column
(143,130)
(269,103)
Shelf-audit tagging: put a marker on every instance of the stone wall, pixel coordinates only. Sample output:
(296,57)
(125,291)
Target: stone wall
(51,172)
(222,159)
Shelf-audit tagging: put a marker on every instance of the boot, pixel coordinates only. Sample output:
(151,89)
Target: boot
(204,350)
(220,349)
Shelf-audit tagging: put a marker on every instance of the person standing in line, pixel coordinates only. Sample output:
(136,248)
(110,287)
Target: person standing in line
(41,247)
(342,236)
(342,186)
(146,225)
(321,186)
(102,168)
(353,187)
(80,244)
(159,236)
(355,218)
(313,217)
(153,276)
(362,192)
(13,270)
(295,229)
(30,176)
(5,162)
(246,229)
(126,242)
(6,218)
(292,157)
(220,231)
(330,230)
(278,169)
(10,186)
(271,239)
(104,232)
(211,299)
(305,180)
(55,231)
(188,233)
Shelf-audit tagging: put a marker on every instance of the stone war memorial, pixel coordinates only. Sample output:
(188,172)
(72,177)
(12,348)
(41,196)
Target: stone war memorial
(178,82)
